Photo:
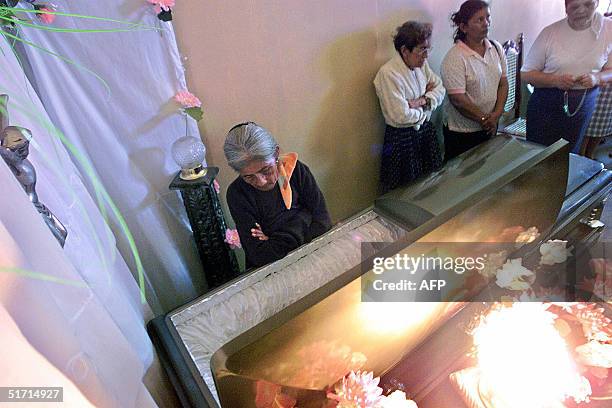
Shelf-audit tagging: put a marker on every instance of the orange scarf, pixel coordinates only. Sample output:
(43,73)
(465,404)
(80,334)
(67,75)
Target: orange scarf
(286,165)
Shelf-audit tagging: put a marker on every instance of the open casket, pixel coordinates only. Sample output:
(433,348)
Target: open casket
(280,324)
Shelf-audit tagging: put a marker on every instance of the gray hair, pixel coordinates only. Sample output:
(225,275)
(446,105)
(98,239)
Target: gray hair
(247,142)
(411,34)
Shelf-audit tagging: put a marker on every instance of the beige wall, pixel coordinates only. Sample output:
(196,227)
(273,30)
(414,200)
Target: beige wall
(304,70)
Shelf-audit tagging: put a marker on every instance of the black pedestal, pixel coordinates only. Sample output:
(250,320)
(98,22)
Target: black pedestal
(208,226)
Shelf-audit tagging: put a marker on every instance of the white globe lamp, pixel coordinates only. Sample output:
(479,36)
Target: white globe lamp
(188,152)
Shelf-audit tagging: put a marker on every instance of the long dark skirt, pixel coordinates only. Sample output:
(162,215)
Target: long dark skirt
(547,122)
(408,154)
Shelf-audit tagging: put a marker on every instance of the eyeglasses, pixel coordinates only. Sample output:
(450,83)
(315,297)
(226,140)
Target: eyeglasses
(266,171)
(423,51)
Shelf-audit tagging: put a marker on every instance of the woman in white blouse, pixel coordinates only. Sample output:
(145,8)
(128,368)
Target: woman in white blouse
(474,75)
(409,91)
(566,63)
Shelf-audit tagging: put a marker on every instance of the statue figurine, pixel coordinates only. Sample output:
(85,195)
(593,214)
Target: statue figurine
(14,149)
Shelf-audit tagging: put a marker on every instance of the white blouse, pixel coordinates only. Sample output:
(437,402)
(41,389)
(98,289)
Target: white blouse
(559,49)
(464,71)
(396,84)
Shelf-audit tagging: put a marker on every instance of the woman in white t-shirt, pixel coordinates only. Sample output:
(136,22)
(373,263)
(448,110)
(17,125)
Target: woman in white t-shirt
(474,75)
(566,64)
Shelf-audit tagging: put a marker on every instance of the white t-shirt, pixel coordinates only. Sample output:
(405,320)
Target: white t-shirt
(396,84)
(559,49)
(464,71)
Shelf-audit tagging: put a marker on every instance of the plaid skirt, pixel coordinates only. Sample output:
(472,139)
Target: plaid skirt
(407,154)
(601,121)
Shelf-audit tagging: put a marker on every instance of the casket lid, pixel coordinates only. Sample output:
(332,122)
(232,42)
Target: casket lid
(581,170)
(467,179)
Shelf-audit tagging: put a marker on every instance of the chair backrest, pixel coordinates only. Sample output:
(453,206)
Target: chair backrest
(514,56)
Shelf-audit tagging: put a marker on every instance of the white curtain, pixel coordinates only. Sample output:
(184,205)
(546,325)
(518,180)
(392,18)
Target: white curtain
(126,131)
(73,314)
(26,367)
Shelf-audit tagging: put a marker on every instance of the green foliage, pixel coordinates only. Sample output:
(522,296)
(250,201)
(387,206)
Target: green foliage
(195,113)
(7,16)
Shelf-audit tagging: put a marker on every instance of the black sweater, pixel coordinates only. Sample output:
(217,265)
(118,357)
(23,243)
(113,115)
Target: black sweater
(286,229)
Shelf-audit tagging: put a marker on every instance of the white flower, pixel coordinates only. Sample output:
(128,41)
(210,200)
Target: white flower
(397,399)
(595,354)
(511,275)
(358,390)
(526,237)
(554,252)
(492,263)
(581,390)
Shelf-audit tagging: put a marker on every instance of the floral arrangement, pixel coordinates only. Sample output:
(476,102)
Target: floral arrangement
(360,390)
(356,390)
(531,278)
(518,274)
(514,276)
(545,350)
(315,367)
(162,8)
(522,359)
(190,104)
(533,346)
(588,332)
(554,252)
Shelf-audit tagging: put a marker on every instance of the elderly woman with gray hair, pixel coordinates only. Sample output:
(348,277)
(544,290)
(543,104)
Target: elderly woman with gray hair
(275,201)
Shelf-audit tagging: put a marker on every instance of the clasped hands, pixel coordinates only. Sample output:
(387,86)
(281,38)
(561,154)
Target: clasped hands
(258,233)
(489,122)
(422,100)
(568,81)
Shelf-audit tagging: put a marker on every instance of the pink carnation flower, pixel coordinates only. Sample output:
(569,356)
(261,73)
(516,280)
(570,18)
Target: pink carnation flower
(358,390)
(160,5)
(187,99)
(232,238)
(216,186)
(44,16)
